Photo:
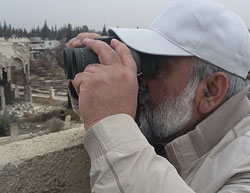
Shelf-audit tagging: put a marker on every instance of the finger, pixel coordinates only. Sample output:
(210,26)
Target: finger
(82,36)
(70,43)
(75,86)
(125,54)
(76,83)
(78,41)
(93,68)
(74,42)
(105,53)
(79,79)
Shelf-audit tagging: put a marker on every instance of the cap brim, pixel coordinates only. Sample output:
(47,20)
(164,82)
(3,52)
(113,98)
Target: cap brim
(147,41)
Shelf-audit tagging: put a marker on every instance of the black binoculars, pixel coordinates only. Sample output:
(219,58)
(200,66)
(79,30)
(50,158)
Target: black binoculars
(76,59)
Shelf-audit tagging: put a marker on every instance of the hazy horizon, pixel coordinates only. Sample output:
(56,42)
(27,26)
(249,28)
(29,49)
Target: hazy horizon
(30,13)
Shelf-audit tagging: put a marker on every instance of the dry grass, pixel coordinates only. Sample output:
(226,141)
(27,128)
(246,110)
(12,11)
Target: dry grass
(41,118)
(48,101)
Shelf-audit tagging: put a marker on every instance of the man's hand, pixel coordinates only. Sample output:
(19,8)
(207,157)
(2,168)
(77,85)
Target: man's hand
(110,87)
(78,41)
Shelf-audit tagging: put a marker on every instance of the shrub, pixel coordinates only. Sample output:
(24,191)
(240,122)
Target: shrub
(5,121)
(55,125)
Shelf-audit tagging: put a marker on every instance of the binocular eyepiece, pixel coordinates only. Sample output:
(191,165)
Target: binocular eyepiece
(76,59)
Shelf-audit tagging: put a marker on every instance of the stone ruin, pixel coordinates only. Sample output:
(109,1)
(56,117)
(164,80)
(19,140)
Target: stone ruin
(14,71)
(21,154)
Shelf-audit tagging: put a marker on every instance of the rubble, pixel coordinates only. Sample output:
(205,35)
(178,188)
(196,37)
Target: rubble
(23,108)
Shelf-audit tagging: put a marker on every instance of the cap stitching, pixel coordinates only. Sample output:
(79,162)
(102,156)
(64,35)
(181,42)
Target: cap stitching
(161,34)
(205,25)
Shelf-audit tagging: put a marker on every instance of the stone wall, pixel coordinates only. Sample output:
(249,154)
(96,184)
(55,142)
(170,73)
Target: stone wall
(54,163)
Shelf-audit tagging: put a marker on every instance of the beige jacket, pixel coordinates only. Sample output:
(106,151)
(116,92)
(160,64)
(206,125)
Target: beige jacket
(215,157)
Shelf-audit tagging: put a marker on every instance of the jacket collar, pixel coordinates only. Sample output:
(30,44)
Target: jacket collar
(188,148)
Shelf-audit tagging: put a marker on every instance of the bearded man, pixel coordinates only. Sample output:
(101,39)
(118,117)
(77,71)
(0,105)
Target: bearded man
(196,104)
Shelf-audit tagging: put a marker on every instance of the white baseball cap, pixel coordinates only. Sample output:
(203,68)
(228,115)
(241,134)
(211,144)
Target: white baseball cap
(202,28)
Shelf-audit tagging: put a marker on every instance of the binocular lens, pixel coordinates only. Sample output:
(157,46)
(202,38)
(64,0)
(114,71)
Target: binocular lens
(67,58)
(78,61)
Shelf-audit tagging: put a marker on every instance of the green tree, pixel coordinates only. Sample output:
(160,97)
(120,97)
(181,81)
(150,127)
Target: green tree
(104,31)
(55,32)
(1,30)
(4,29)
(45,31)
(69,33)
(85,28)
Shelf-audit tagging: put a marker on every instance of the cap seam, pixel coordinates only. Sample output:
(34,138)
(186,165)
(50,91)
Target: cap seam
(161,34)
(197,37)
(208,21)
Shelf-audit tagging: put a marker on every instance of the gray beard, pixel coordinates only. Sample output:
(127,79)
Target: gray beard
(168,118)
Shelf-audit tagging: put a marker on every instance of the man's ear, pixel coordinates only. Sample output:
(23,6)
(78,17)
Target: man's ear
(212,91)
(248,76)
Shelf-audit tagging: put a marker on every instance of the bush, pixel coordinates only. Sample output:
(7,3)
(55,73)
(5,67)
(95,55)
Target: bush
(5,121)
(55,125)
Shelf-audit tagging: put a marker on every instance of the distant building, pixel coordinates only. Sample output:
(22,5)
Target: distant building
(37,46)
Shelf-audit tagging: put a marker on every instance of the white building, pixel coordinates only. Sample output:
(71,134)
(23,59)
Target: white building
(37,45)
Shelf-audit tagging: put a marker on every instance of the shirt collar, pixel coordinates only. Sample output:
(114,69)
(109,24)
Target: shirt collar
(193,145)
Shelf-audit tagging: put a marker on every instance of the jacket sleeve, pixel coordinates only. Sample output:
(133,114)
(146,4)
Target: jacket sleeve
(239,183)
(123,161)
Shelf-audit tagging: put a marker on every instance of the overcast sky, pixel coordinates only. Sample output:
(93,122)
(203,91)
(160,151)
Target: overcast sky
(94,13)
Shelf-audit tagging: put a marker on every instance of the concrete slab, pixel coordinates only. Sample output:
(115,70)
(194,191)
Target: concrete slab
(55,163)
